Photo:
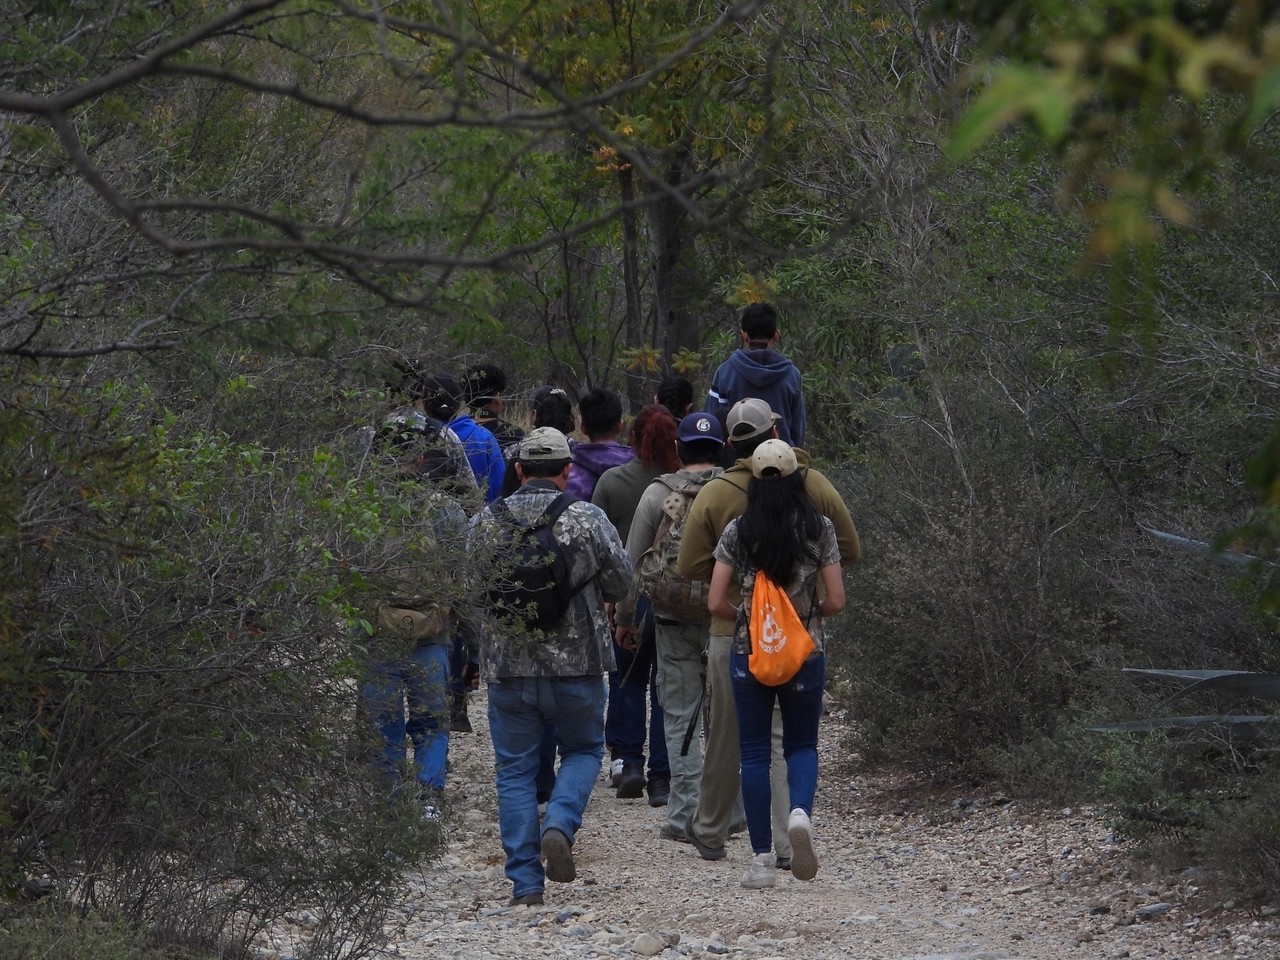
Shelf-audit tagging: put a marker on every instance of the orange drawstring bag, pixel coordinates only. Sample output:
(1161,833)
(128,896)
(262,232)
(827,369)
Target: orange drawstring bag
(780,641)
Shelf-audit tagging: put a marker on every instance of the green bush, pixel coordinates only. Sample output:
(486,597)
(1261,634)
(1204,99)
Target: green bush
(183,744)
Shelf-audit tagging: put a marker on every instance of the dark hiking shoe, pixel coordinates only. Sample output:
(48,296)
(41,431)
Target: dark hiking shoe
(557,854)
(631,785)
(659,792)
(705,850)
(668,832)
(526,900)
(458,721)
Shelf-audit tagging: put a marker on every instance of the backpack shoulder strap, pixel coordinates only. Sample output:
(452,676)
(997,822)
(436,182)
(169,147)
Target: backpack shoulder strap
(553,511)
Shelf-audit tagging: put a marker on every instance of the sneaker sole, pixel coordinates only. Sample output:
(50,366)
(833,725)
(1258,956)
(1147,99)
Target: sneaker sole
(558,856)
(804,862)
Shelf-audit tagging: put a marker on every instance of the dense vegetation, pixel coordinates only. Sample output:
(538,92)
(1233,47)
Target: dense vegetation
(224,227)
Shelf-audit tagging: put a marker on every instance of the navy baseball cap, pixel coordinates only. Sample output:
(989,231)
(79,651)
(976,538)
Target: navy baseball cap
(700,426)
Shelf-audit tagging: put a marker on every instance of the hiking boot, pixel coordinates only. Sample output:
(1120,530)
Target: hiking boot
(557,854)
(615,773)
(706,851)
(760,873)
(804,862)
(632,783)
(458,722)
(668,832)
(659,792)
(526,900)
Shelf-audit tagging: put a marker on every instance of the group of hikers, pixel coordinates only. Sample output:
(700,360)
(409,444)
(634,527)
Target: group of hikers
(693,566)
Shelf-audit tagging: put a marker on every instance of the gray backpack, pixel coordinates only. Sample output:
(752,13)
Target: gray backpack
(672,593)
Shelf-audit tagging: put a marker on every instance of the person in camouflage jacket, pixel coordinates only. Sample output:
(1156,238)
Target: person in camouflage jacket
(555,679)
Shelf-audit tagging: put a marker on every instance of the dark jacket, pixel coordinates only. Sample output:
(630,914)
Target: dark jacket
(766,375)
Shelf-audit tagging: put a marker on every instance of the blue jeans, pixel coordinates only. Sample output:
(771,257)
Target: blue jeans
(422,679)
(520,709)
(800,702)
(635,679)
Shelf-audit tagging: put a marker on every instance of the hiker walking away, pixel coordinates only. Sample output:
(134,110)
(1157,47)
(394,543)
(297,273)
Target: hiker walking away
(549,406)
(679,608)
(483,386)
(427,404)
(405,692)
(750,423)
(676,394)
(782,535)
(653,438)
(601,413)
(481,390)
(483,451)
(757,369)
(543,659)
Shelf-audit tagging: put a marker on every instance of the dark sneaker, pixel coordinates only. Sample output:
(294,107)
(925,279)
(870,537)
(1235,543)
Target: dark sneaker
(526,900)
(631,785)
(557,855)
(458,722)
(668,832)
(706,851)
(783,863)
(659,792)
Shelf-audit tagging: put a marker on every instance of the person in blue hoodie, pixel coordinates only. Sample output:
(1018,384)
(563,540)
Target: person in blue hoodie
(758,370)
(601,414)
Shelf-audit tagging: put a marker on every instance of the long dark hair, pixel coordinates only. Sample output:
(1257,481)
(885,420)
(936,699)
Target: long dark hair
(780,527)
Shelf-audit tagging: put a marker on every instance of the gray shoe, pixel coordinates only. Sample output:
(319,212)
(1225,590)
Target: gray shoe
(668,832)
(557,854)
(760,873)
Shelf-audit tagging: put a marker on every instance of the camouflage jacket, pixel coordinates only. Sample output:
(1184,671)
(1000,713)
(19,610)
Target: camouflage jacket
(582,645)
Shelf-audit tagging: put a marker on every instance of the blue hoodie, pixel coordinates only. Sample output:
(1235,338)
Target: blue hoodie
(765,375)
(590,459)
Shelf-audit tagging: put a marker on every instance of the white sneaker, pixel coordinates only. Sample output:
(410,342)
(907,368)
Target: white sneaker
(615,774)
(761,873)
(804,862)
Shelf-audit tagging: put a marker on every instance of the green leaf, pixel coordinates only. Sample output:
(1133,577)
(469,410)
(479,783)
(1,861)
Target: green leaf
(1015,93)
(1266,98)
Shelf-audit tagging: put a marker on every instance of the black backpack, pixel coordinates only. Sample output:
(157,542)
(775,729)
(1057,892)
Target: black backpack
(532,587)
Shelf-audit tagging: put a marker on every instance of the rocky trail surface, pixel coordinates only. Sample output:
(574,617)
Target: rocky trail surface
(906,871)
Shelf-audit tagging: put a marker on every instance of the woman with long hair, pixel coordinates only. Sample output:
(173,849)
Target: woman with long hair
(617,493)
(784,535)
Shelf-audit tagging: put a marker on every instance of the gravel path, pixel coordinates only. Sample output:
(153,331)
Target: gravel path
(937,876)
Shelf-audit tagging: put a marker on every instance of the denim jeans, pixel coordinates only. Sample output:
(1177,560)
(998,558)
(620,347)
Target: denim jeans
(636,680)
(520,709)
(421,678)
(720,808)
(800,702)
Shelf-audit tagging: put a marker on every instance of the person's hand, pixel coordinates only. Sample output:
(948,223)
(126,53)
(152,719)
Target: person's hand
(470,675)
(625,637)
